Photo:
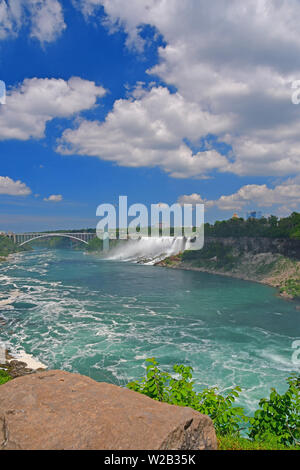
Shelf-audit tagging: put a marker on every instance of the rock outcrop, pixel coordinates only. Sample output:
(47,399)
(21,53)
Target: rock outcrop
(60,410)
(287,247)
(274,262)
(14,367)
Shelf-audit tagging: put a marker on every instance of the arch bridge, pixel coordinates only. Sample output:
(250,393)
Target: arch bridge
(23,238)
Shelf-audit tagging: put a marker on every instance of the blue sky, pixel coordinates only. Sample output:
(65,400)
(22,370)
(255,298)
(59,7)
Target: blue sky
(160,101)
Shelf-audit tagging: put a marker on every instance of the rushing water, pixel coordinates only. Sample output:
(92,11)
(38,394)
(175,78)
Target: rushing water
(104,318)
(149,250)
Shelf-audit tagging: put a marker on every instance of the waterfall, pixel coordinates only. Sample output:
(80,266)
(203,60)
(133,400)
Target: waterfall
(148,250)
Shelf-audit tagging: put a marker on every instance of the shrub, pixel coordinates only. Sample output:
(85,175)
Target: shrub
(179,390)
(279,415)
(275,425)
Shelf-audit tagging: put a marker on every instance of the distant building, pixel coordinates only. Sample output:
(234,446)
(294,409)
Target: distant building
(254,215)
(235,216)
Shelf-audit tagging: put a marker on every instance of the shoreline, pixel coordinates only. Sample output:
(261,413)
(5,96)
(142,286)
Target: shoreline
(9,257)
(19,364)
(274,280)
(178,264)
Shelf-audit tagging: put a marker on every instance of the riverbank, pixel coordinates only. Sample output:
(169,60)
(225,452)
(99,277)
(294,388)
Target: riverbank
(9,248)
(9,257)
(272,269)
(18,365)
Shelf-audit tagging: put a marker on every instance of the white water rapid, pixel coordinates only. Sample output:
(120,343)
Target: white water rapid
(148,250)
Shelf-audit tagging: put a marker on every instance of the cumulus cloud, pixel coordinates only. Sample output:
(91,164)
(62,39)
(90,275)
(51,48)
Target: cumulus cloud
(10,17)
(152,130)
(44,17)
(234,59)
(286,194)
(54,198)
(232,64)
(33,103)
(47,21)
(135,14)
(13,188)
(191,199)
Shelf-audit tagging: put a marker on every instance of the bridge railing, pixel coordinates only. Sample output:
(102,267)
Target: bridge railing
(22,238)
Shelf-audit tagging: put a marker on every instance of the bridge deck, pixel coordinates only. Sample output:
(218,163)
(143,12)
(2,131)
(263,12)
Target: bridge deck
(22,238)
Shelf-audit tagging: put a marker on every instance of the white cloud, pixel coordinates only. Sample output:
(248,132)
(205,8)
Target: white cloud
(47,20)
(36,101)
(232,64)
(10,17)
(234,59)
(127,15)
(44,17)
(54,198)
(191,199)
(253,195)
(150,131)
(13,188)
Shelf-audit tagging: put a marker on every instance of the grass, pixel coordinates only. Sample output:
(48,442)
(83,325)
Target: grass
(241,443)
(4,377)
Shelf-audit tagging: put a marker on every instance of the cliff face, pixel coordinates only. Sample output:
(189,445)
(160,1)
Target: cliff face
(275,262)
(283,246)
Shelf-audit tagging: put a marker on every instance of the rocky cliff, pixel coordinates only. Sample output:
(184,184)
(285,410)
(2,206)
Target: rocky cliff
(286,247)
(275,262)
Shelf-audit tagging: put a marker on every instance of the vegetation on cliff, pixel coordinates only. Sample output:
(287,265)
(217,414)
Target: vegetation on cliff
(234,260)
(291,288)
(95,245)
(275,425)
(7,247)
(214,255)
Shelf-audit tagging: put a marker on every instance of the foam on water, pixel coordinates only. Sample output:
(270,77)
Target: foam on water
(31,361)
(12,295)
(148,250)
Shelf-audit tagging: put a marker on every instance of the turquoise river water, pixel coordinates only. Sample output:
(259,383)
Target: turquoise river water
(104,318)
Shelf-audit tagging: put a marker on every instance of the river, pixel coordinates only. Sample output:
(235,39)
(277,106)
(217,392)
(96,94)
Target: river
(103,318)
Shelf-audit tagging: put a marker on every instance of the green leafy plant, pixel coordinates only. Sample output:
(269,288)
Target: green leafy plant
(279,415)
(275,425)
(4,377)
(178,389)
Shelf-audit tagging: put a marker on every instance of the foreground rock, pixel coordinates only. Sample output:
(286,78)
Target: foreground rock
(59,410)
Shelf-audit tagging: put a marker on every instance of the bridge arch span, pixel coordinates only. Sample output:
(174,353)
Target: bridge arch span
(47,235)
